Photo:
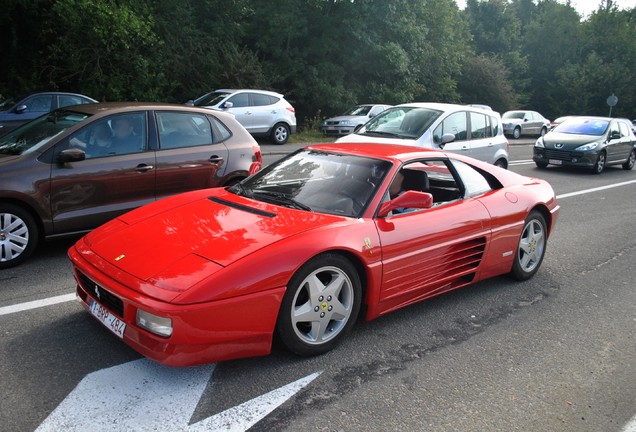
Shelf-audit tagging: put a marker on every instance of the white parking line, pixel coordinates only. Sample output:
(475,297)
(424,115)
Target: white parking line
(630,426)
(586,191)
(6,310)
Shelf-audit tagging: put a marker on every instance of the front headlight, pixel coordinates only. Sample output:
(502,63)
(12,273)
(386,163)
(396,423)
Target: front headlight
(158,325)
(345,122)
(589,146)
(539,143)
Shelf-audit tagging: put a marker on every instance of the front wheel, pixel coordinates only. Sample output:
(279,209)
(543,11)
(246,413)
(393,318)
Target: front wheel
(18,235)
(541,164)
(501,163)
(544,130)
(320,306)
(280,133)
(516,133)
(629,163)
(531,248)
(600,163)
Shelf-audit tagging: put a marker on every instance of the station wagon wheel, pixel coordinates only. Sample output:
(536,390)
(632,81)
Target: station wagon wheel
(18,235)
(600,163)
(629,163)
(280,133)
(516,133)
(501,163)
(320,306)
(531,248)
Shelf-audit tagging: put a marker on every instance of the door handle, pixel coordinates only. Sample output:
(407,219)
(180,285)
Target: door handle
(216,159)
(142,168)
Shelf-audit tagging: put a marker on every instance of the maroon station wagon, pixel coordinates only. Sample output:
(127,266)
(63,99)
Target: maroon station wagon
(77,167)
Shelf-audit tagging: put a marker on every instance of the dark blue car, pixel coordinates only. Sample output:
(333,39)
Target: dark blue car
(16,111)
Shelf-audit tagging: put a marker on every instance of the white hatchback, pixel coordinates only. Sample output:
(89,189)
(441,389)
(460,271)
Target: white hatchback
(461,129)
(263,113)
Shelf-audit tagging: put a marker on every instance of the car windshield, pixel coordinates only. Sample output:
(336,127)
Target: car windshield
(318,181)
(358,110)
(35,134)
(514,115)
(580,126)
(210,99)
(401,122)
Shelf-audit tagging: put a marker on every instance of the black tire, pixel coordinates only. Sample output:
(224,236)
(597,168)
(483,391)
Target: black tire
(280,133)
(541,164)
(501,163)
(18,235)
(544,130)
(314,324)
(599,166)
(629,163)
(516,133)
(531,247)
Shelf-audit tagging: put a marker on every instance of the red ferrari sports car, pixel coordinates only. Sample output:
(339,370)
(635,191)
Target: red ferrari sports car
(297,248)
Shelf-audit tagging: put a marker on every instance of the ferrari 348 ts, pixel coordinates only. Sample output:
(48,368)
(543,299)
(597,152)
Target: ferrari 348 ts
(296,249)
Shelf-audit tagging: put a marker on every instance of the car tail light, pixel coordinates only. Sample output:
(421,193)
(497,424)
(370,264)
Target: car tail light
(257,160)
(290,109)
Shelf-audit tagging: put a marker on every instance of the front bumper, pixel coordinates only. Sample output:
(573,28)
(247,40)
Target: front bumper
(337,130)
(564,157)
(202,333)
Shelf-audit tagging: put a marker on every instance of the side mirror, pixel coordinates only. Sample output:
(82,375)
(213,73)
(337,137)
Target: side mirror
(190,102)
(409,199)
(20,109)
(446,138)
(525,120)
(615,135)
(71,155)
(227,105)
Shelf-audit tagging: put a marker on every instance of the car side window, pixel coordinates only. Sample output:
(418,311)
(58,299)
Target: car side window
(624,129)
(220,131)
(478,126)
(455,124)
(115,135)
(614,130)
(177,130)
(474,182)
(67,100)
(39,103)
(494,126)
(261,99)
(239,100)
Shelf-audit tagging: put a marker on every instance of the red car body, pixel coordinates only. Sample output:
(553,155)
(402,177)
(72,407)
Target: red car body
(218,264)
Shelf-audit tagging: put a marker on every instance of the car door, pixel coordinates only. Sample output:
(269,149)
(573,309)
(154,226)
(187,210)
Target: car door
(191,153)
(264,112)
(87,193)
(241,110)
(626,140)
(457,124)
(436,249)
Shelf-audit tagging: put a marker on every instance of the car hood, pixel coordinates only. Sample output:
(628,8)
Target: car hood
(565,141)
(196,233)
(357,119)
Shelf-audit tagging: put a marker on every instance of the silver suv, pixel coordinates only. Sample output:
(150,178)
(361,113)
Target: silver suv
(263,113)
(461,129)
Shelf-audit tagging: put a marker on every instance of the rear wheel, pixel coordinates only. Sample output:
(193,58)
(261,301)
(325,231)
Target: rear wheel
(600,163)
(320,306)
(18,235)
(280,133)
(501,163)
(629,163)
(531,248)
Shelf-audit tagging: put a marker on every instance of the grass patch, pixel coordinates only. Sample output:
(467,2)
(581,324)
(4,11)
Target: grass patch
(309,136)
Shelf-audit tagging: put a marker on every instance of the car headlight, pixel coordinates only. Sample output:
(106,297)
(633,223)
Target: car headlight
(539,143)
(588,146)
(155,324)
(345,122)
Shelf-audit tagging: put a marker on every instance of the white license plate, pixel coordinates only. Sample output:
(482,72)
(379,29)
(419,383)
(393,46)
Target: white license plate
(555,162)
(111,322)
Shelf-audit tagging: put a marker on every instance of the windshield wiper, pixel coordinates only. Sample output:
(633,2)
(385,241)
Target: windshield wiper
(283,199)
(388,134)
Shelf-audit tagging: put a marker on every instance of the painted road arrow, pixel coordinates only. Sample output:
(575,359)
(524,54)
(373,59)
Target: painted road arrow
(143,395)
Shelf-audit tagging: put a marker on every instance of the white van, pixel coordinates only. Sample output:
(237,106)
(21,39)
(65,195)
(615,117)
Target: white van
(461,129)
